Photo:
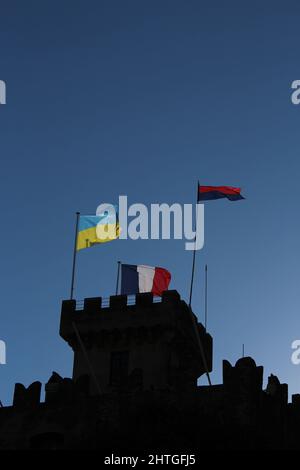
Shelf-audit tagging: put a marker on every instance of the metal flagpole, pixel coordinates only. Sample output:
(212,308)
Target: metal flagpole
(194,252)
(118,277)
(202,352)
(74,255)
(192,278)
(205,319)
(86,358)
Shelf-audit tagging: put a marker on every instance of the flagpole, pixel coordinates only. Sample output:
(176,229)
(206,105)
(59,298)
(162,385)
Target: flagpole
(198,339)
(192,278)
(118,277)
(205,319)
(74,255)
(194,252)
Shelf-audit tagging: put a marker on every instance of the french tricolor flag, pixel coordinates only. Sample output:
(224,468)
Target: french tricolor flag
(139,278)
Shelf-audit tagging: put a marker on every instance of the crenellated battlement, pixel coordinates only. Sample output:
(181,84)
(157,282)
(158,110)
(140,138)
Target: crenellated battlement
(92,304)
(121,311)
(154,339)
(142,353)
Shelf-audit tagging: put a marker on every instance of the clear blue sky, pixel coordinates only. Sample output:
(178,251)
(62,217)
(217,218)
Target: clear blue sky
(143,98)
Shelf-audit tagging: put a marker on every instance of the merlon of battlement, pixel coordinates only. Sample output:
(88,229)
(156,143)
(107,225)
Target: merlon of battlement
(118,302)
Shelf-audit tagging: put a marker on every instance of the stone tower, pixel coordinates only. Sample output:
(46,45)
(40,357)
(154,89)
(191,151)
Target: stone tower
(136,344)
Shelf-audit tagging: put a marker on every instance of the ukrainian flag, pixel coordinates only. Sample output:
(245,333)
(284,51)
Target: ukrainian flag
(93,229)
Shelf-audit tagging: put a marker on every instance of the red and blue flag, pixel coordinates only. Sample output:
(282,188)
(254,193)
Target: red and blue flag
(207,193)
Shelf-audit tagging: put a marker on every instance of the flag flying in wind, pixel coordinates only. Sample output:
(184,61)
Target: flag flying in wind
(140,278)
(93,229)
(207,193)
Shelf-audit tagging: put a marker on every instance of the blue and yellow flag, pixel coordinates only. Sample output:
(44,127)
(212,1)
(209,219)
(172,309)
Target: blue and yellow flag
(93,229)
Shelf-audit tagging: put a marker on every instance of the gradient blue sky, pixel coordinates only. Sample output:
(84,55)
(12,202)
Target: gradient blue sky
(143,98)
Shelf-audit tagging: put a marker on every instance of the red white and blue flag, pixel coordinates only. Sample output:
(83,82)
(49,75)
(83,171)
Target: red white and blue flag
(139,278)
(207,193)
